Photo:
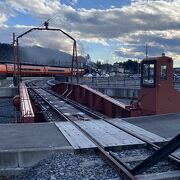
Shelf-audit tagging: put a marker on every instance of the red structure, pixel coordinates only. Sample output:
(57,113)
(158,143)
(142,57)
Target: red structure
(157,95)
(95,100)
(26,114)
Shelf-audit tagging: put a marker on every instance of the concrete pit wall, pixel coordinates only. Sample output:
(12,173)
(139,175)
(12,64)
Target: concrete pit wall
(8,92)
(120,92)
(13,162)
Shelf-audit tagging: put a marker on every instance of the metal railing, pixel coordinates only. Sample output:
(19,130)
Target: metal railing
(118,82)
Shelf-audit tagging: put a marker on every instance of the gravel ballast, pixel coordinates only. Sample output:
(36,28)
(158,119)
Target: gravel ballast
(69,167)
(162,166)
(7,111)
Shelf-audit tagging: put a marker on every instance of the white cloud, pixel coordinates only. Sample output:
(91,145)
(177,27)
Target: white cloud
(109,23)
(3,19)
(155,22)
(42,7)
(5,12)
(23,26)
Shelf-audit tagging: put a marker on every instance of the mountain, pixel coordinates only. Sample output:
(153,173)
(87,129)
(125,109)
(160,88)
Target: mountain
(39,55)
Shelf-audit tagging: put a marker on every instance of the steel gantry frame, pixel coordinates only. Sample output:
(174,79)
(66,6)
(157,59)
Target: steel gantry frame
(17,62)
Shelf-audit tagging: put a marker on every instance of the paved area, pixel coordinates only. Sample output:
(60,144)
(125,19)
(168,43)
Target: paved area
(6,82)
(38,135)
(23,145)
(166,126)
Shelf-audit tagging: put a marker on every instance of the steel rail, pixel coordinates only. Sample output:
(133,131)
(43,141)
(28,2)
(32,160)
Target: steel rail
(76,105)
(44,109)
(115,164)
(175,159)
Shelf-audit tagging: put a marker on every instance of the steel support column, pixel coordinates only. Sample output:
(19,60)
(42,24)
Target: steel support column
(160,154)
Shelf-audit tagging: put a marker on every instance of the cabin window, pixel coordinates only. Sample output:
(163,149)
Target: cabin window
(148,74)
(163,72)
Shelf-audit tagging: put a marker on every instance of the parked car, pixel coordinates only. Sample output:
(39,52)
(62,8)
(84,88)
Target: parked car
(176,75)
(135,76)
(105,75)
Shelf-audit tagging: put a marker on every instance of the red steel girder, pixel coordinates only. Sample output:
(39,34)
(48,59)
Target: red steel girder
(26,114)
(95,100)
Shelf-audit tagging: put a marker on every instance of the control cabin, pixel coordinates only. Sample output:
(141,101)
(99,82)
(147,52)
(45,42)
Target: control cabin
(157,95)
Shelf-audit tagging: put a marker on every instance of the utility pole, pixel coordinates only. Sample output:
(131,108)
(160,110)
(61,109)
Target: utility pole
(146,51)
(138,69)
(15,61)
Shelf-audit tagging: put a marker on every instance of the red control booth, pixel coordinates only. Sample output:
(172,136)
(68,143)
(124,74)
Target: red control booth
(157,95)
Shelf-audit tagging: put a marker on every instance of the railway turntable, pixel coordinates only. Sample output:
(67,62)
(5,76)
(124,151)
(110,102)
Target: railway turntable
(80,120)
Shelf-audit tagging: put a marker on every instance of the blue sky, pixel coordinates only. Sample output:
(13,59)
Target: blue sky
(107,30)
(97,4)
(22,19)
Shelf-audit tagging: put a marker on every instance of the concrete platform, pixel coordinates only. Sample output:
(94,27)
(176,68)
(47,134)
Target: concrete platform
(23,145)
(166,126)
(119,92)
(37,135)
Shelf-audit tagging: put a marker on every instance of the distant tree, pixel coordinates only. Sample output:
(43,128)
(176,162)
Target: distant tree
(131,65)
(99,64)
(88,57)
(121,64)
(38,55)
(53,62)
(107,67)
(6,52)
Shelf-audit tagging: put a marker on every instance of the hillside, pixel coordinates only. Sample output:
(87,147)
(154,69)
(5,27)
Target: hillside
(38,55)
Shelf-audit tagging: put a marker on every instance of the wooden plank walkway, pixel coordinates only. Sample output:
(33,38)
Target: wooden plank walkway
(137,130)
(105,133)
(76,138)
(108,135)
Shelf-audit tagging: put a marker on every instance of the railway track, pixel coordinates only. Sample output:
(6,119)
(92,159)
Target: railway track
(127,163)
